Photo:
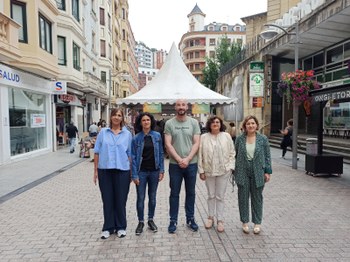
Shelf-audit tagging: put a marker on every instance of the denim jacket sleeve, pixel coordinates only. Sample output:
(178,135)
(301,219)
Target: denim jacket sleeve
(134,158)
(161,154)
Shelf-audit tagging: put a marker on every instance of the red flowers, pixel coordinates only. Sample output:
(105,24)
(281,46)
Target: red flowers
(296,85)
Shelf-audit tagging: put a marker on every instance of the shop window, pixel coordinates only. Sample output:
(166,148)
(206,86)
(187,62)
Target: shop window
(27,119)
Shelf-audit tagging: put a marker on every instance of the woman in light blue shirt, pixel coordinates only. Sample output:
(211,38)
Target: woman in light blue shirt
(112,170)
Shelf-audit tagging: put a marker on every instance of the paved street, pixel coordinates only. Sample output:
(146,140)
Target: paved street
(305,219)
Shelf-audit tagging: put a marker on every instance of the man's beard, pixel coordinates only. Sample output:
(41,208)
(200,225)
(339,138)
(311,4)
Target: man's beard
(181,112)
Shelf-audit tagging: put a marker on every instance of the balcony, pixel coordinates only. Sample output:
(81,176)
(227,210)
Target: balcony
(9,50)
(193,48)
(195,60)
(93,84)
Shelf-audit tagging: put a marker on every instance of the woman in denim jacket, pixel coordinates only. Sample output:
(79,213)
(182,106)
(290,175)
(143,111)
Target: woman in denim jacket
(147,167)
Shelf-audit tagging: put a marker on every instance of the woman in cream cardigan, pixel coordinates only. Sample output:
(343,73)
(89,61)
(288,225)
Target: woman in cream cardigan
(216,159)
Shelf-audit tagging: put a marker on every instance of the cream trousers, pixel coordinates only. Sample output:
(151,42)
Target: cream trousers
(216,186)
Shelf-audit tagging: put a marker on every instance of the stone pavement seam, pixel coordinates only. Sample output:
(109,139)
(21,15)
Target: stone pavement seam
(38,181)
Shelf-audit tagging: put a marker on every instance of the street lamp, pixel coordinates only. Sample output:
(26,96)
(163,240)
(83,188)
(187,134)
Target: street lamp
(235,102)
(267,35)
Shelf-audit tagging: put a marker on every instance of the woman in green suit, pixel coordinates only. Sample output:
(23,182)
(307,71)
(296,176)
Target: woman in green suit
(252,171)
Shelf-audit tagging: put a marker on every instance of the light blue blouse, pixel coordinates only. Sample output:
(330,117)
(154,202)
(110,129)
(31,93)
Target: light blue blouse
(113,150)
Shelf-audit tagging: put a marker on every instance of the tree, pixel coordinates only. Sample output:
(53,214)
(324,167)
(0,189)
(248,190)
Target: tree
(224,52)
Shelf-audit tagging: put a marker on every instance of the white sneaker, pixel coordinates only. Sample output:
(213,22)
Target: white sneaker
(105,234)
(121,233)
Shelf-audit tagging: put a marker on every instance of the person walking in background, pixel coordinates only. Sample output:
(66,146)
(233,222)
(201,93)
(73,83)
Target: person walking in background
(147,168)
(72,134)
(182,136)
(252,171)
(287,137)
(93,129)
(216,159)
(232,131)
(112,161)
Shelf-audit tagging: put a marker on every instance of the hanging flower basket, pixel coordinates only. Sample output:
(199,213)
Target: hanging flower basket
(295,86)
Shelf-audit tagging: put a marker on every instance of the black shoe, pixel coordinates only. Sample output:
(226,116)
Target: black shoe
(139,228)
(152,226)
(191,223)
(172,227)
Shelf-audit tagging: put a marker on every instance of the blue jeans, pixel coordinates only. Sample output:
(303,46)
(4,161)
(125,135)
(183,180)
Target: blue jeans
(189,174)
(72,142)
(150,178)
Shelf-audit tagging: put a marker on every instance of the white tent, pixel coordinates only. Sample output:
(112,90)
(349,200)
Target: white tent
(174,81)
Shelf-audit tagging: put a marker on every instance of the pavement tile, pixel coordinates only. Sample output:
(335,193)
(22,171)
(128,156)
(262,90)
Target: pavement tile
(305,219)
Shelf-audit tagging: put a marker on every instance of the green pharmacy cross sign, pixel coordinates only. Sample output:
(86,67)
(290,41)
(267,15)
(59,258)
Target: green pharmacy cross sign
(256,66)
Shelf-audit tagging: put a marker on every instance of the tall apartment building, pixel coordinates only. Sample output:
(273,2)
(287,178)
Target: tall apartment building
(144,55)
(201,40)
(159,58)
(80,46)
(150,61)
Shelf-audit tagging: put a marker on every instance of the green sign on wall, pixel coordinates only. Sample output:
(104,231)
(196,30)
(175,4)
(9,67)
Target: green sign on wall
(256,66)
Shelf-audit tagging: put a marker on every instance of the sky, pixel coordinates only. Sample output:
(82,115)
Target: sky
(159,23)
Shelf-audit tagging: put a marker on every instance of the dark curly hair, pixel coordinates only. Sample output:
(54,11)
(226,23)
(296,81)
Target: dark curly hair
(211,120)
(138,126)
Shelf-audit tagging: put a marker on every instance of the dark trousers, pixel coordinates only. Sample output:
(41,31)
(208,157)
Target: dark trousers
(177,174)
(114,186)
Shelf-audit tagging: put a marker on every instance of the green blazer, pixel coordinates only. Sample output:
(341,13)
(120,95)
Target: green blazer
(261,160)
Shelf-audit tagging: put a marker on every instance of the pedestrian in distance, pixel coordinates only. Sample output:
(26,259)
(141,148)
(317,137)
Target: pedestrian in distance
(72,134)
(252,171)
(287,137)
(182,137)
(216,159)
(147,168)
(93,130)
(112,161)
(232,131)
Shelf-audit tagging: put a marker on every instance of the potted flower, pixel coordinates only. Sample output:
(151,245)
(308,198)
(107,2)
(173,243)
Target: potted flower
(295,86)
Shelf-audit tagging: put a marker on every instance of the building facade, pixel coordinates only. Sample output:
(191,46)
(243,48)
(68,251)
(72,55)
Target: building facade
(201,40)
(323,47)
(72,47)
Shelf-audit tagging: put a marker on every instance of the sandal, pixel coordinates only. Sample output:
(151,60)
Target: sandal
(245,228)
(220,226)
(209,223)
(257,228)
